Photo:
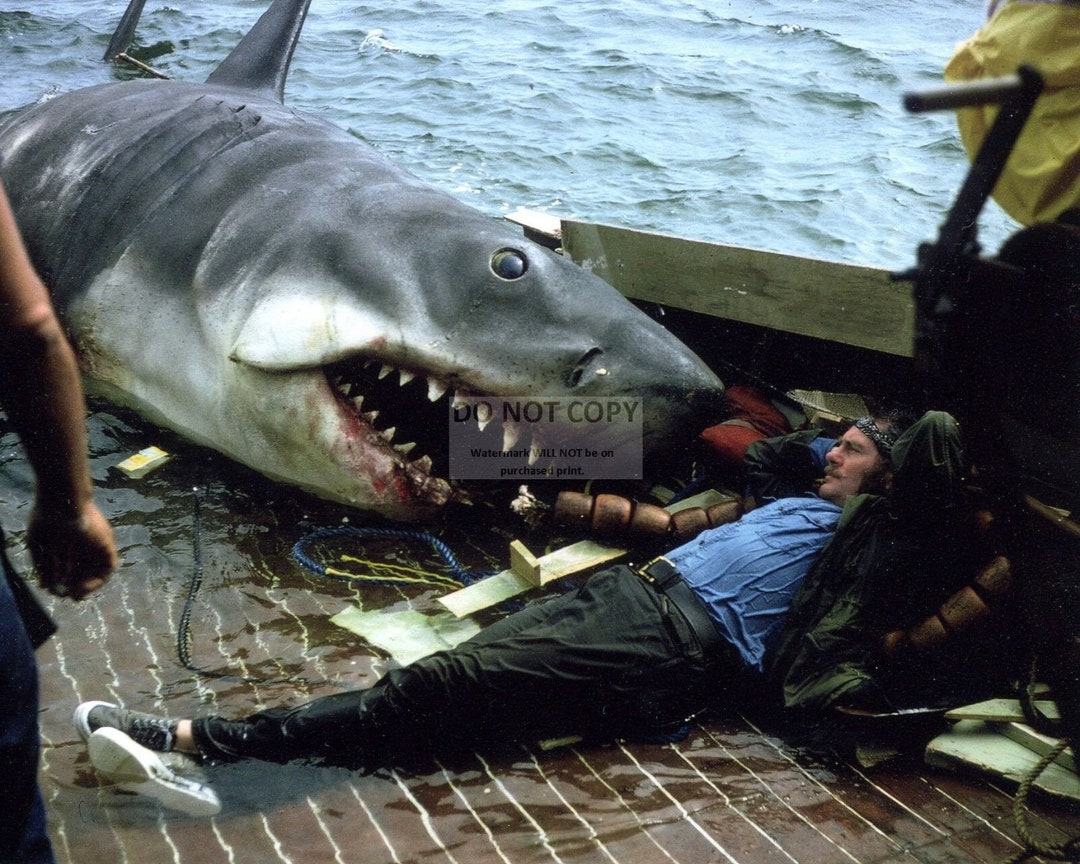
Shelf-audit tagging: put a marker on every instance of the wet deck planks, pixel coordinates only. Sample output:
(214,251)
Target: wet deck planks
(729,792)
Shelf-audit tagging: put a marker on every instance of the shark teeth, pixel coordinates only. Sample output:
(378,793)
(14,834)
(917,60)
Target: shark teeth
(406,413)
(404,409)
(511,435)
(436,389)
(534,451)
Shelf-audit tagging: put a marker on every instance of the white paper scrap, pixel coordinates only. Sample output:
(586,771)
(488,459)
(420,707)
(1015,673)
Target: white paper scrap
(407,635)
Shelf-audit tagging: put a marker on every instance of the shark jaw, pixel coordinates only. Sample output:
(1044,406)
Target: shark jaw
(400,418)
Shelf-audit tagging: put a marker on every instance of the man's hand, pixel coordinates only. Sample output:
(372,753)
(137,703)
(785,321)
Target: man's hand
(73,556)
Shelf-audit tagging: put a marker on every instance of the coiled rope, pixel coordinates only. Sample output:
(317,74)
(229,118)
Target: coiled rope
(1067,851)
(382,572)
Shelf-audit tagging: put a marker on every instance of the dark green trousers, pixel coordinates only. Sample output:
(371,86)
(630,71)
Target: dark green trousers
(612,658)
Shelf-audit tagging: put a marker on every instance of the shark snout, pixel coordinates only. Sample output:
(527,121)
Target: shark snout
(680,395)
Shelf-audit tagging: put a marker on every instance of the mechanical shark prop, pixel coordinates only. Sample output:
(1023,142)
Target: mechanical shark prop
(264,283)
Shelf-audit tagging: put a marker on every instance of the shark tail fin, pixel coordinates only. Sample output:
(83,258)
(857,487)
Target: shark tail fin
(125,31)
(261,61)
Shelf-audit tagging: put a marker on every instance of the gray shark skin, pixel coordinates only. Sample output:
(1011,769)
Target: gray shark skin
(244,273)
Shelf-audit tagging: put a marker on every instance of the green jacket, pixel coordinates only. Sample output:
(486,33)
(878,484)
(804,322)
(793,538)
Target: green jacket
(892,562)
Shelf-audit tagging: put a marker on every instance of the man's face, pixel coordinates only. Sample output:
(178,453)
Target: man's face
(853,465)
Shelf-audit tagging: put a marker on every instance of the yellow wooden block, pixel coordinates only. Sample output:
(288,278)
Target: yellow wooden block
(525,564)
(144,462)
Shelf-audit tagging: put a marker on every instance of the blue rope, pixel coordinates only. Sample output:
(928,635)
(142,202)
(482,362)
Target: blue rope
(438,545)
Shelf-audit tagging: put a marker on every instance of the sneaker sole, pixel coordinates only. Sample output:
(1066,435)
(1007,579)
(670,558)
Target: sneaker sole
(134,768)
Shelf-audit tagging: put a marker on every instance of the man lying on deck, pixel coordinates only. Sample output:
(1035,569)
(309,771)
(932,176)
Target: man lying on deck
(639,650)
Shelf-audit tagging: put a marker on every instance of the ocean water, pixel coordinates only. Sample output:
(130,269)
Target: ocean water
(777,126)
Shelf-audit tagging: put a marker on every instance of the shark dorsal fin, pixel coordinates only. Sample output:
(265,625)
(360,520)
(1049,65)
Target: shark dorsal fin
(125,32)
(261,61)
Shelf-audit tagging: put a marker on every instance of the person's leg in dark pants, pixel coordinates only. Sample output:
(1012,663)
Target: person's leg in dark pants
(609,659)
(22,825)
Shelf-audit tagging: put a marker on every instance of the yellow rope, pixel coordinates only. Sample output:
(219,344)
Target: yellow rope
(382,571)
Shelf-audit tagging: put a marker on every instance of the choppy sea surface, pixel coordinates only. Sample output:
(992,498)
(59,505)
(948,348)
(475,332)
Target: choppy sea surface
(773,125)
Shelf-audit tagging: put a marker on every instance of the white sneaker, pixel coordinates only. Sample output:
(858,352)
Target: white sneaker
(134,768)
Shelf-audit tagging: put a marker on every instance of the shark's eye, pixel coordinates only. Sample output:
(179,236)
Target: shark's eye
(509,264)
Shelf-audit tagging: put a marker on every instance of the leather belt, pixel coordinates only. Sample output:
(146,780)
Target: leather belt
(666,579)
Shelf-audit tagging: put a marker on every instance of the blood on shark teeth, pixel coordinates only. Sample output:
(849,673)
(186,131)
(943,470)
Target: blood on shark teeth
(398,410)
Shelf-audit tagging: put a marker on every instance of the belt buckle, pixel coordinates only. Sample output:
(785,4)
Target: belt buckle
(659,572)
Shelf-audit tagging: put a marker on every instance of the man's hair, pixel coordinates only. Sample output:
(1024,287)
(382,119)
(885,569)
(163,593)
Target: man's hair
(883,428)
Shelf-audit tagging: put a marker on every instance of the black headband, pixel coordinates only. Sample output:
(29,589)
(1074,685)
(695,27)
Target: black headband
(882,440)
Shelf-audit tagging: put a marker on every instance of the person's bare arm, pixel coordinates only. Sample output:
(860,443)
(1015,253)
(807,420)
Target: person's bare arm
(69,539)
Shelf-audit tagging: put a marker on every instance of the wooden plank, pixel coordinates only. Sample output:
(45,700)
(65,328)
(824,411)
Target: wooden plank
(575,558)
(702,499)
(485,593)
(542,228)
(1001,711)
(406,634)
(1038,743)
(982,747)
(824,299)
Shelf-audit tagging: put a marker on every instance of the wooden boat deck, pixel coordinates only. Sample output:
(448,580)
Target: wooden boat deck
(729,792)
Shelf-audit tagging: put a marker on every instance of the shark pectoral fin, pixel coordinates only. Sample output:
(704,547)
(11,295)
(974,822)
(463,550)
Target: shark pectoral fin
(303,331)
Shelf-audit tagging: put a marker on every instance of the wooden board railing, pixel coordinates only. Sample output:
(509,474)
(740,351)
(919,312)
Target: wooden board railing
(840,302)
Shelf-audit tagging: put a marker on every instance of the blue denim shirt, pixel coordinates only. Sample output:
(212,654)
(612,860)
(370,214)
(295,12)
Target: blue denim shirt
(746,572)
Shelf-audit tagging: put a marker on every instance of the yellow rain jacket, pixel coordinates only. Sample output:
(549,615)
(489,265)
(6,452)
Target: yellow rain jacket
(1042,176)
